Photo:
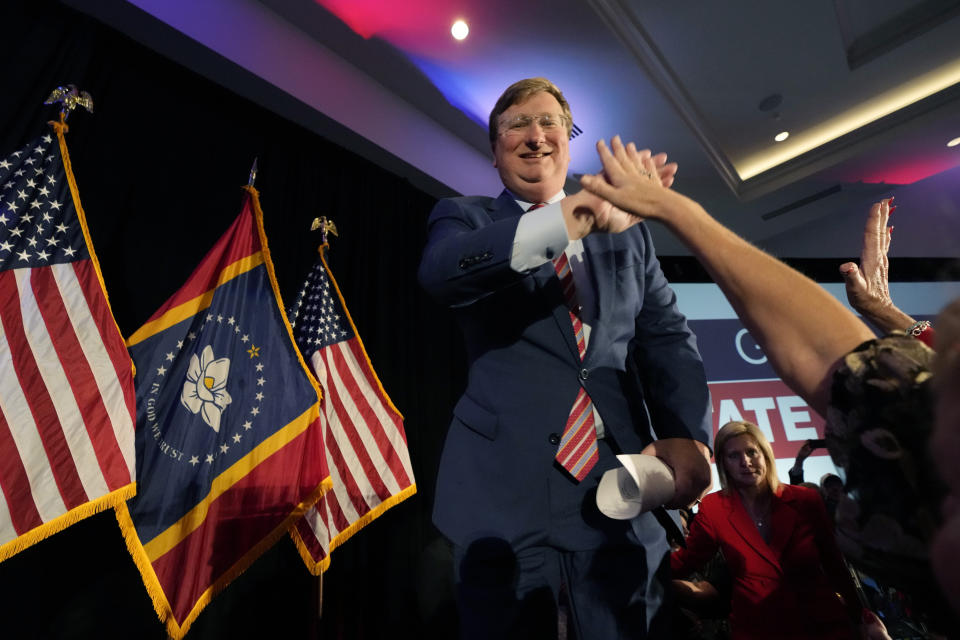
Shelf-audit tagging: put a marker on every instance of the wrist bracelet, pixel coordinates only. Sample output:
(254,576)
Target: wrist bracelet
(918,327)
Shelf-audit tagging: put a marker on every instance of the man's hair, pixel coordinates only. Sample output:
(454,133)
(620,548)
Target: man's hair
(738,428)
(519,92)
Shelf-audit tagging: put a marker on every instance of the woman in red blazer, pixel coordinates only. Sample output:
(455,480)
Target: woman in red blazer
(789,579)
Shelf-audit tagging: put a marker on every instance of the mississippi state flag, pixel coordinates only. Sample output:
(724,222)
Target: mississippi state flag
(66,381)
(229,441)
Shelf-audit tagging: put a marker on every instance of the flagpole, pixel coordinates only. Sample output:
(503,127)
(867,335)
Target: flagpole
(326,226)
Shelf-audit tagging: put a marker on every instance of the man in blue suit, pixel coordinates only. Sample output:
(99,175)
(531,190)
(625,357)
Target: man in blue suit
(577,353)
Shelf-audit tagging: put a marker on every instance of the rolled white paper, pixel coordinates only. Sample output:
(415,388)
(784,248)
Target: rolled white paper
(642,483)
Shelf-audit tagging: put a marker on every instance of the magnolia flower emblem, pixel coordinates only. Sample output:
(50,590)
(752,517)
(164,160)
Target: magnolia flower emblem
(205,391)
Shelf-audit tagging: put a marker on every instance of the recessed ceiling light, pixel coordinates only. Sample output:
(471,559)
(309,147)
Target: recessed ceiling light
(459,30)
(783,135)
(872,109)
(953,142)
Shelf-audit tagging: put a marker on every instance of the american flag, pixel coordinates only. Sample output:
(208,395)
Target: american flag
(66,387)
(365,442)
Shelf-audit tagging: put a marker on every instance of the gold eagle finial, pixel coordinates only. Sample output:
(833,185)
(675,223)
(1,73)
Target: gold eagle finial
(325,225)
(70,98)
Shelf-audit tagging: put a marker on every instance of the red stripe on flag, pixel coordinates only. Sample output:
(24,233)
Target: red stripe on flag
(346,476)
(335,518)
(14,483)
(77,370)
(336,512)
(377,429)
(110,337)
(311,538)
(350,429)
(38,398)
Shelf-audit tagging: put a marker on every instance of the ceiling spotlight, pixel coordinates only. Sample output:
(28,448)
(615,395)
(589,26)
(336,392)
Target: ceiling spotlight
(459,30)
(953,142)
(783,135)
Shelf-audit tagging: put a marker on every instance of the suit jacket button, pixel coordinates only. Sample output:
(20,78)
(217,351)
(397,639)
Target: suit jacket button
(554,438)
(584,374)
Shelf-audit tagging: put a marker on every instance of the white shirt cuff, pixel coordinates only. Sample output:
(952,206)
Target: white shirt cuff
(541,236)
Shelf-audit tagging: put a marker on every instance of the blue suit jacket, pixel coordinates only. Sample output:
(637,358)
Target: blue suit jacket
(497,472)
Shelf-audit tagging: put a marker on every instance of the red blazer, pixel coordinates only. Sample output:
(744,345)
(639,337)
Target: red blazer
(787,588)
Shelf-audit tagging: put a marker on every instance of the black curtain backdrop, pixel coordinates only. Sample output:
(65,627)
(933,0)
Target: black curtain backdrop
(159,167)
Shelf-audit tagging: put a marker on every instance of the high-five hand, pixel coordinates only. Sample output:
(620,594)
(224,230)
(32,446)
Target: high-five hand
(867,285)
(631,180)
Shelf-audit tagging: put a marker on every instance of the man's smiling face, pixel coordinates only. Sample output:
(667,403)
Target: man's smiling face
(532,161)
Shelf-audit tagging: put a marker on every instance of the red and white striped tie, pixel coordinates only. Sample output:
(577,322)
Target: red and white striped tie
(577,452)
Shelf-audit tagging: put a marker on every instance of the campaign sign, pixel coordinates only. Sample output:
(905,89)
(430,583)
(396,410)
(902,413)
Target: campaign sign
(783,417)
(743,386)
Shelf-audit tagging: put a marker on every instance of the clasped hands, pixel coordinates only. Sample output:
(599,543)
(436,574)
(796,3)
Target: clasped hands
(587,211)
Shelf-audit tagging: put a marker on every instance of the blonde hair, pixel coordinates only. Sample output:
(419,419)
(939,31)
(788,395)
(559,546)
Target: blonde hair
(736,428)
(519,92)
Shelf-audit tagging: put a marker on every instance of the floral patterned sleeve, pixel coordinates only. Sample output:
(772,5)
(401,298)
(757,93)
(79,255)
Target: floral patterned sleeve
(879,425)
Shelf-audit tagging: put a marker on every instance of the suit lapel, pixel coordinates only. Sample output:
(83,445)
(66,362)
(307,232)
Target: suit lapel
(783,521)
(545,276)
(742,523)
(504,206)
(598,250)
